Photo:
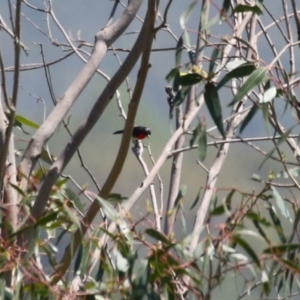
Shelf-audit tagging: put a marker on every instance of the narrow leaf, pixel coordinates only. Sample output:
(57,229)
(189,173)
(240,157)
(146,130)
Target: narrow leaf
(27,122)
(249,117)
(234,64)
(213,104)
(281,249)
(259,76)
(180,95)
(281,204)
(242,243)
(172,74)
(202,142)
(268,95)
(265,111)
(74,199)
(196,200)
(180,196)
(213,59)
(186,14)
(45,220)
(46,157)
(242,70)
(18,189)
(78,259)
(195,135)
(277,224)
(108,209)
(178,54)
(158,236)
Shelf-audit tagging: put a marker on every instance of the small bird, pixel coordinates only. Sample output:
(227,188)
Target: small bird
(138,132)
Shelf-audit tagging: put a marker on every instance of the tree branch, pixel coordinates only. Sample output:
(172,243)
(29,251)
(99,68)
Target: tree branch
(141,44)
(102,41)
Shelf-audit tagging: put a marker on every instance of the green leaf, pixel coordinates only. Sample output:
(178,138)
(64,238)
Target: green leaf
(186,14)
(108,209)
(196,200)
(158,236)
(73,217)
(62,183)
(187,39)
(217,211)
(200,134)
(214,107)
(242,243)
(259,3)
(281,204)
(202,142)
(116,198)
(181,95)
(292,265)
(296,221)
(213,59)
(180,196)
(213,202)
(140,285)
(190,78)
(233,64)
(240,8)
(268,95)
(277,224)
(27,122)
(195,135)
(259,76)
(265,111)
(103,265)
(242,70)
(172,74)
(249,117)
(43,221)
(78,259)
(49,159)
(121,262)
(74,199)
(281,249)
(260,230)
(18,189)
(255,217)
(176,83)
(178,54)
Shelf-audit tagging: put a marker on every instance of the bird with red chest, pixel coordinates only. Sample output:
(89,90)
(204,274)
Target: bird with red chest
(138,132)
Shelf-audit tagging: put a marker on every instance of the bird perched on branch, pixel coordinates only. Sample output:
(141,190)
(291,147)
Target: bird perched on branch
(138,132)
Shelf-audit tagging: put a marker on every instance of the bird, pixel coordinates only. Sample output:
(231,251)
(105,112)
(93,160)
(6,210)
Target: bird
(138,132)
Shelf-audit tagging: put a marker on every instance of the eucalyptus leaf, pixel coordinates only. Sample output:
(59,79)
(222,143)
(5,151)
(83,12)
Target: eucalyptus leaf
(259,76)
(213,104)
(268,95)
